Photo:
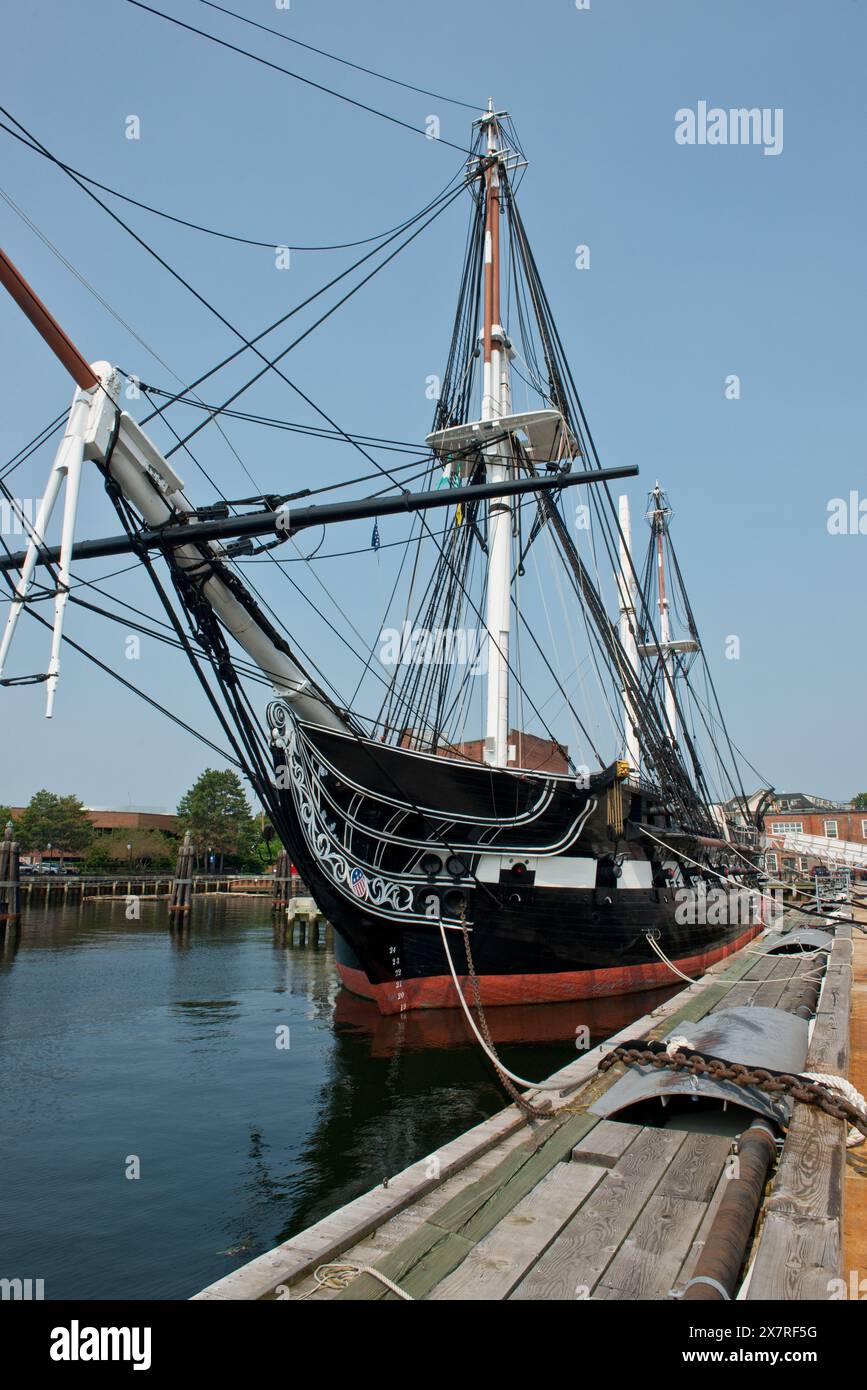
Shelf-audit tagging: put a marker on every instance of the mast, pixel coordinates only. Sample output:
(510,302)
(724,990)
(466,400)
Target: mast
(626,590)
(496,402)
(659,516)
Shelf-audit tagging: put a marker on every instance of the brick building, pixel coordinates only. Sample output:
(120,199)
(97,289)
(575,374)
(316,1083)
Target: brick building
(104,821)
(525,750)
(800,814)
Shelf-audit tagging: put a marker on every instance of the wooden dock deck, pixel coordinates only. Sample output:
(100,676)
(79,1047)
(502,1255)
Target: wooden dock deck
(578,1206)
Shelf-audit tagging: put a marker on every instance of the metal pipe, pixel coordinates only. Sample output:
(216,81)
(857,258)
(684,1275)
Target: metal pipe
(716,1274)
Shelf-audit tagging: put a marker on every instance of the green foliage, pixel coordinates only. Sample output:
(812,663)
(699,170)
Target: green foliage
(218,816)
(859,802)
(5,818)
(59,821)
(148,849)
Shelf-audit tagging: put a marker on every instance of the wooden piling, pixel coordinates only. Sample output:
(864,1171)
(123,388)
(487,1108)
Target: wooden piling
(282,882)
(182,883)
(10,879)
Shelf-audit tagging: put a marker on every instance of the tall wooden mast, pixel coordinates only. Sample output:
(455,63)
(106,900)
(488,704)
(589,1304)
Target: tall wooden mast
(496,402)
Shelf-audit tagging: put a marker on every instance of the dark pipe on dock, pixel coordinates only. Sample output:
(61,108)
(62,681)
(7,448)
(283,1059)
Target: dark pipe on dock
(722,1258)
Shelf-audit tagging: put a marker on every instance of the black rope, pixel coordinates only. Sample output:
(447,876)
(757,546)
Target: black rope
(286,72)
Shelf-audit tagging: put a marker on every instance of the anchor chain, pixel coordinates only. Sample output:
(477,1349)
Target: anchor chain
(776,1083)
(535,1112)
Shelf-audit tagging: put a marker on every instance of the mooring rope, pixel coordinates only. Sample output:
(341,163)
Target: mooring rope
(339,1275)
(487,1047)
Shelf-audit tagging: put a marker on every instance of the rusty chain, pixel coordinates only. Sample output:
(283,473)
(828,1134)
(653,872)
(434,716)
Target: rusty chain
(655,1054)
(535,1112)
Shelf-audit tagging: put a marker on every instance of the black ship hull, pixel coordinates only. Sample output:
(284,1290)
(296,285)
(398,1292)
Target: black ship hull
(566,891)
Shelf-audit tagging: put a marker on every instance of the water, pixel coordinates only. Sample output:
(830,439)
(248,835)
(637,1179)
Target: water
(121,1041)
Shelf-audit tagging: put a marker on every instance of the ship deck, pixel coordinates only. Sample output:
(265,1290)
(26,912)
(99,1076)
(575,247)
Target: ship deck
(581,1207)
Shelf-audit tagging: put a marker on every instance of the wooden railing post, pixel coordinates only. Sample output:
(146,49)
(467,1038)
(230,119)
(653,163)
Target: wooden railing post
(10,878)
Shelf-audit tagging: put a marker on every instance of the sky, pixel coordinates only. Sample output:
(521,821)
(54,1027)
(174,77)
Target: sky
(707,262)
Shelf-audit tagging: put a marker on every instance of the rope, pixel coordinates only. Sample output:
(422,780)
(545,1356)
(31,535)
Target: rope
(852,1094)
(340,1276)
(655,946)
(488,1050)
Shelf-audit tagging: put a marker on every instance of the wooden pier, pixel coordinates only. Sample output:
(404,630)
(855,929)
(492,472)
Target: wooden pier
(60,888)
(579,1206)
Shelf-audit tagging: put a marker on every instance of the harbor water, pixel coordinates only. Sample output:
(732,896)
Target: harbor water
(177,1102)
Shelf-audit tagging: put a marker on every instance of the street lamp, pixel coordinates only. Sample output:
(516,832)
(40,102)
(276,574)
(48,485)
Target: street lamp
(129,856)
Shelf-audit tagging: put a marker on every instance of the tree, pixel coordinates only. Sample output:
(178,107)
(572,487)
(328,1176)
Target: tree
(217,814)
(59,821)
(5,818)
(859,802)
(134,849)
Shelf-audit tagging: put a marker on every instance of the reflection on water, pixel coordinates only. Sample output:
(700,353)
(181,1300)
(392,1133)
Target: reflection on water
(121,1038)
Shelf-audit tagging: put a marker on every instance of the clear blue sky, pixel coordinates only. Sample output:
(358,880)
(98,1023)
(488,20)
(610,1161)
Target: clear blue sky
(705,262)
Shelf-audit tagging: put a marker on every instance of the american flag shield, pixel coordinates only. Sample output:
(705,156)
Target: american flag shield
(358,883)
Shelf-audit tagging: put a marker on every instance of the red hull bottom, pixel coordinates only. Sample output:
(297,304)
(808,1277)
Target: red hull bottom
(438,991)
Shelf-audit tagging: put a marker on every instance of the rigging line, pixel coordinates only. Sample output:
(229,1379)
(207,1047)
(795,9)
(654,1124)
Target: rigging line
(741,754)
(317,431)
(445,202)
(406,542)
(270,364)
(35,443)
(148,699)
(273,559)
(123,322)
(395,81)
(196,226)
(249,672)
(287,72)
(124,512)
(440,197)
(159,410)
(82,279)
(83,651)
(555,647)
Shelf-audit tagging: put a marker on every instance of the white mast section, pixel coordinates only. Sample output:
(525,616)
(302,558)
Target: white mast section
(626,590)
(496,402)
(152,486)
(660,516)
(667,649)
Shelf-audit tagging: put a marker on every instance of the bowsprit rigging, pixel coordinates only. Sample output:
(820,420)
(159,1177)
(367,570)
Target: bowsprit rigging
(445,811)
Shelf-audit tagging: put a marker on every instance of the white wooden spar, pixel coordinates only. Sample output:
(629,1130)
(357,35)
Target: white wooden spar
(156,491)
(628,628)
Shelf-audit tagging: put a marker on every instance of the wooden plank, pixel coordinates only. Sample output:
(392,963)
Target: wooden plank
(809,1180)
(696,1170)
(796,1260)
(649,1260)
(476,1210)
(398,1227)
(501,1259)
(348,1225)
(799,1248)
(605,1144)
(711,996)
(687,1269)
(582,1252)
(769,994)
(418,1263)
(427,1256)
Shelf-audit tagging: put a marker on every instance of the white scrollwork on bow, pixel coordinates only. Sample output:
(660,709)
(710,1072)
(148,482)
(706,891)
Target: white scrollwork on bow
(331,855)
